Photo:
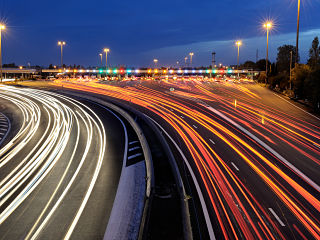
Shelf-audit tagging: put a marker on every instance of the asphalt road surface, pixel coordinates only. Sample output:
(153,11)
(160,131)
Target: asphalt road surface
(60,166)
(254,155)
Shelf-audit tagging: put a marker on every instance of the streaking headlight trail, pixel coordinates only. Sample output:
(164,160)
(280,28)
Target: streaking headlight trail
(65,129)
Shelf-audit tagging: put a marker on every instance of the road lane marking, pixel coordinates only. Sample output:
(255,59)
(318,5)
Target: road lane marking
(195,126)
(318,146)
(235,166)
(134,148)
(182,117)
(133,142)
(212,141)
(276,216)
(134,156)
(271,150)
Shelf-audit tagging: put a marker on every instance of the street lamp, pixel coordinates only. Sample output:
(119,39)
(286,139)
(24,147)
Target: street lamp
(106,50)
(101,55)
(61,44)
(185,61)
(191,55)
(155,62)
(2,27)
(298,28)
(238,43)
(268,26)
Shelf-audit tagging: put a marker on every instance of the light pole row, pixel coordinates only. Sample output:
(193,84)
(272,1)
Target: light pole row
(185,60)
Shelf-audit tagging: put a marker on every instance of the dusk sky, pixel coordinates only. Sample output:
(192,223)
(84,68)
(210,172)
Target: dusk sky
(139,31)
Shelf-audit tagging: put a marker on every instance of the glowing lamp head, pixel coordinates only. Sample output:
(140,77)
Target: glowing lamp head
(2,27)
(267,25)
(191,54)
(239,43)
(106,50)
(20,67)
(61,43)
(155,60)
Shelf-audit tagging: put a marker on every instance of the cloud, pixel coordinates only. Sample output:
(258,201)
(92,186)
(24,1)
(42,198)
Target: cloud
(227,51)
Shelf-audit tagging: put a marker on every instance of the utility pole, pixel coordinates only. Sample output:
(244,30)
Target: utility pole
(101,55)
(268,26)
(2,27)
(106,50)
(238,43)
(61,44)
(191,55)
(213,59)
(298,29)
(290,70)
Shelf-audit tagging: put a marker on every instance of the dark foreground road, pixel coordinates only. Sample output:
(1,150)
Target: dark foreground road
(60,166)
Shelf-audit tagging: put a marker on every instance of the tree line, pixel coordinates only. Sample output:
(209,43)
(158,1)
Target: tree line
(299,81)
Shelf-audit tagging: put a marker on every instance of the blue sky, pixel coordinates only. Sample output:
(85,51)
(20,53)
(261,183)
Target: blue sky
(139,31)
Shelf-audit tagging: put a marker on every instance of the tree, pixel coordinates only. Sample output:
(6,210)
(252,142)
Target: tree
(314,53)
(249,65)
(300,73)
(9,65)
(313,88)
(284,58)
(261,64)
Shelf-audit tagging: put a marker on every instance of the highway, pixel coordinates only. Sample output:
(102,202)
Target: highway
(60,166)
(254,156)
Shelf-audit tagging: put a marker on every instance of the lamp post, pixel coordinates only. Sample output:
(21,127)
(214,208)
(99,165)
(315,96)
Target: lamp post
(298,28)
(155,62)
(106,50)
(101,55)
(191,55)
(238,43)
(2,27)
(268,26)
(185,61)
(61,44)
(290,70)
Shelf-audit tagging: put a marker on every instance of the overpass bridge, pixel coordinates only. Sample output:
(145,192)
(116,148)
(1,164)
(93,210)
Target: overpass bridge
(13,73)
